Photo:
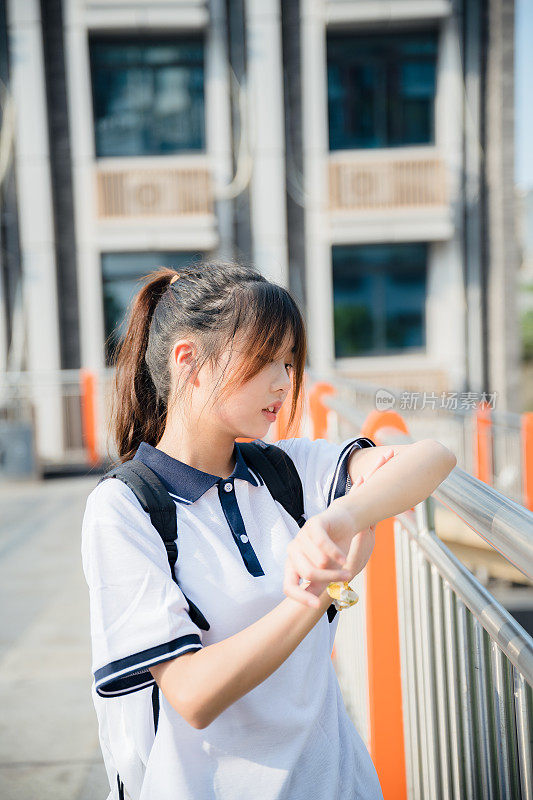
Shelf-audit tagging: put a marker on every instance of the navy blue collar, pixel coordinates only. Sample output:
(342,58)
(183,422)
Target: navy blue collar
(184,481)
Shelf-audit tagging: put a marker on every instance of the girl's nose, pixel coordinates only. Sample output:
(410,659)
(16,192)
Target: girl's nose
(284,380)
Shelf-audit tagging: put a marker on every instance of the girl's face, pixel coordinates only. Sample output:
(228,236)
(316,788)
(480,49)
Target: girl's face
(241,413)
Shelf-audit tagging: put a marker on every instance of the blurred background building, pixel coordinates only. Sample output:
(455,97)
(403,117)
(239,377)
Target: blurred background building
(359,152)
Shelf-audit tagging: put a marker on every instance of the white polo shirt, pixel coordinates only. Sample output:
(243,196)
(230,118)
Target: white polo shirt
(290,738)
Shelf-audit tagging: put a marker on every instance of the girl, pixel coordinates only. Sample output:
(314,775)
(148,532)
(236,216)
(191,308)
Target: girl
(249,704)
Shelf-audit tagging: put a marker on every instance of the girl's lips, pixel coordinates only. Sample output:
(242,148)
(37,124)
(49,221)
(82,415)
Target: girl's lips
(269,415)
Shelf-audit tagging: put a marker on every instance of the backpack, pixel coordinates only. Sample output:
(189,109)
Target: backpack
(274,466)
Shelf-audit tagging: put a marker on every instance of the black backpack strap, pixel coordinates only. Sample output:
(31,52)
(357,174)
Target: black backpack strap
(155,706)
(154,498)
(282,480)
(156,501)
(279,473)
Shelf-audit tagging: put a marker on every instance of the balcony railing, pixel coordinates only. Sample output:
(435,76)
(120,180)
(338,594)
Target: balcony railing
(386,180)
(153,192)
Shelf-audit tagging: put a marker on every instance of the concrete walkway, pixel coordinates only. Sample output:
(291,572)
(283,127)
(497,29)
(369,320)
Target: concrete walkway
(49,746)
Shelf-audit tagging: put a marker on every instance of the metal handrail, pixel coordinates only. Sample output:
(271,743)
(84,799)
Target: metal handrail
(467,672)
(503,524)
(510,637)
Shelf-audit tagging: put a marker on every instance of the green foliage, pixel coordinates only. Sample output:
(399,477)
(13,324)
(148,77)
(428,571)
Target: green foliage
(526,324)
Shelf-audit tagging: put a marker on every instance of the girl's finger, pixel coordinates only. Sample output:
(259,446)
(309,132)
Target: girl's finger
(298,592)
(317,556)
(381,460)
(357,482)
(322,545)
(306,569)
(379,463)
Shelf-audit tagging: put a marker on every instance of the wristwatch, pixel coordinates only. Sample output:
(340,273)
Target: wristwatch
(342,594)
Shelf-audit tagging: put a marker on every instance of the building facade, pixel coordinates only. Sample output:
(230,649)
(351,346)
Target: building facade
(357,151)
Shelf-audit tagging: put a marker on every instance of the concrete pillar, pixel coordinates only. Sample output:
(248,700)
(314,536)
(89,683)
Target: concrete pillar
(218,120)
(265,95)
(504,338)
(447,309)
(36,221)
(83,179)
(473,230)
(319,284)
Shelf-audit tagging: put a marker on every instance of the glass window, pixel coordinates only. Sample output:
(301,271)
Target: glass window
(379,295)
(381,89)
(148,95)
(120,279)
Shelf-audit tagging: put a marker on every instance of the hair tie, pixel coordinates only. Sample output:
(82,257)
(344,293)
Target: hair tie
(174,278)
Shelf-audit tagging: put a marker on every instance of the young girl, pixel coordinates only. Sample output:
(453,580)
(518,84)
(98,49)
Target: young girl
(249,705)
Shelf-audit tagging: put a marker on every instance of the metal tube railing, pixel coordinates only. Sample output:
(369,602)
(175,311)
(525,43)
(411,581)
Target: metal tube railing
(509,635)
(466,663)
(502,523)
(469,677)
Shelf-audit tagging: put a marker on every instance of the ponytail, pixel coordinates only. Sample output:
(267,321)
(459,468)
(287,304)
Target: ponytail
(138,412)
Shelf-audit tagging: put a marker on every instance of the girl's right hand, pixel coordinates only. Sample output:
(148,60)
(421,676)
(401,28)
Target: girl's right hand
(327,549)
(313,556)
(319,561)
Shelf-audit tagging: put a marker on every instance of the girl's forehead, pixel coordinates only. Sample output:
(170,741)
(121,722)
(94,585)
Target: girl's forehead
(241,343)
(288,342)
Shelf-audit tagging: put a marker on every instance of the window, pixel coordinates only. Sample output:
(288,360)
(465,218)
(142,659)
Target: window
(120,278)
(381,89)
(148,95)
(379,294)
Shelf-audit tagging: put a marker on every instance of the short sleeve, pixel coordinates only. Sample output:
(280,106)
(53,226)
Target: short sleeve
(138,613)
(323,468)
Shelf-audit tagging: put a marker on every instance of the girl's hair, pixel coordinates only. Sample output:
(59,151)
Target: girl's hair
(209,303)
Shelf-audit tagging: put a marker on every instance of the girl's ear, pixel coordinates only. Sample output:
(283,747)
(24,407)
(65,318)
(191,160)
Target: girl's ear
(184,353)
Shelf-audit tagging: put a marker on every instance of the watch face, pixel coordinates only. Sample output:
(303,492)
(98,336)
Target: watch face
(342,594)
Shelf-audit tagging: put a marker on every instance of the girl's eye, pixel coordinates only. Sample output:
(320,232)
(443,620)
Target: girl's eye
(286,365)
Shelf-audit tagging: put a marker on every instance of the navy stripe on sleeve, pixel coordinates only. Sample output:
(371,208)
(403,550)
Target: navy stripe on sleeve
(339,484)
(131,673)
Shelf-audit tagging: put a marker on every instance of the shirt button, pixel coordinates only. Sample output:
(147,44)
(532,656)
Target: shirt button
(244,538)
(228,487)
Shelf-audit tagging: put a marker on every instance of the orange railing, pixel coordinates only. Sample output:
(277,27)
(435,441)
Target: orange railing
(386,733)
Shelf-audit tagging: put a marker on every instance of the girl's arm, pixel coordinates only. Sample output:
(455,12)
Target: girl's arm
(201,685)
(395,480)
(410,476)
